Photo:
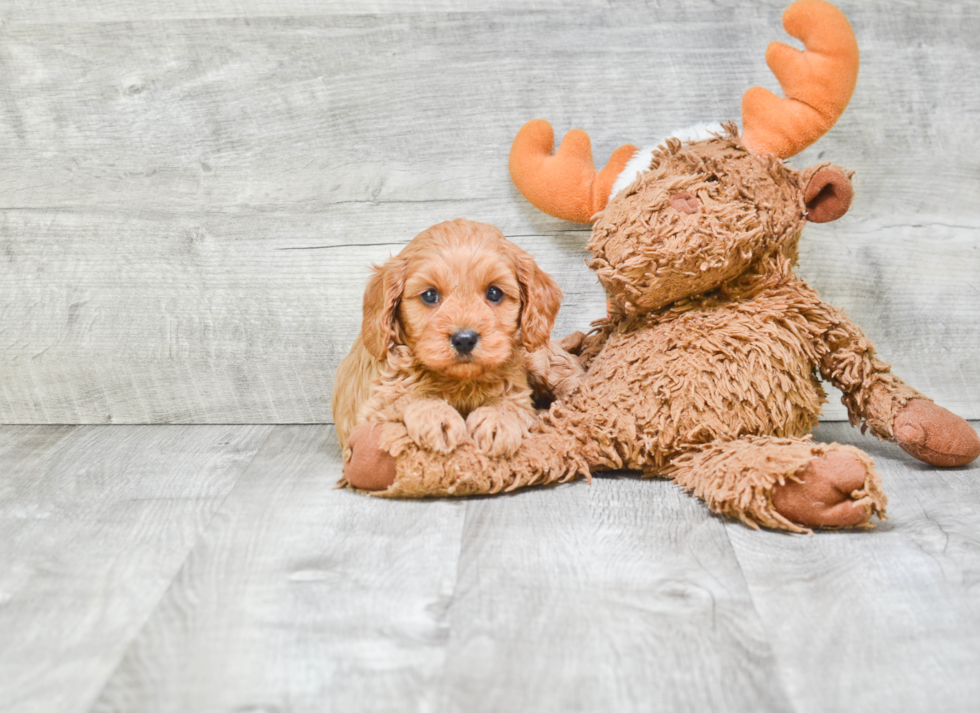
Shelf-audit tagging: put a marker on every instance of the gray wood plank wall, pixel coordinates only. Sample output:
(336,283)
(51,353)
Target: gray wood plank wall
(191,192)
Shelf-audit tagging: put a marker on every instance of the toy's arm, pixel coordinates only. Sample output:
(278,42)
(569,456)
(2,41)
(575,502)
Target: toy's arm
(555,370)
(592,343)
(878,400)
(872,394)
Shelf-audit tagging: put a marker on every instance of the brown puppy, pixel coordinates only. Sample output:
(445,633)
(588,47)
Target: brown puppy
(447,326)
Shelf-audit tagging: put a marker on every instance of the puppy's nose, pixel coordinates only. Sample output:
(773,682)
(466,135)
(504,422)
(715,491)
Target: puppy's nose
(464,340)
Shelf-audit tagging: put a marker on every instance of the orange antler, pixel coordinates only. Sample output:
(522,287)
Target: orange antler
(817,83)
(566,184)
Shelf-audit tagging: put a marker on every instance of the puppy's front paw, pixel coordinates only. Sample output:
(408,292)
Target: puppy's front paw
(497,431)
(434,425)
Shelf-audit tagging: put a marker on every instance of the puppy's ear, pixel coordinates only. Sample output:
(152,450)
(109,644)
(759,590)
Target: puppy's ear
(380,328)
(540,300)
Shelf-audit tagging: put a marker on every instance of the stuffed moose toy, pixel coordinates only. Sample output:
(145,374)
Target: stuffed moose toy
(707,368)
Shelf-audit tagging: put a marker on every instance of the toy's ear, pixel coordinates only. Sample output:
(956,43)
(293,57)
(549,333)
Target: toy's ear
(380,329)
(540,300)
(828,195)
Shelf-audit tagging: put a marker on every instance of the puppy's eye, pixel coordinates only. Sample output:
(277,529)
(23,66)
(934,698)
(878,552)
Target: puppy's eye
(494,294)
(430,296)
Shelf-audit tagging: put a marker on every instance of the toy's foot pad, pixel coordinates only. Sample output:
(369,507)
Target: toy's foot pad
(828,493)
(935,435)
(369,467)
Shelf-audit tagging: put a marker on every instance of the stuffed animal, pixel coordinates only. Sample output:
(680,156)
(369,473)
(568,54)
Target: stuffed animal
(707,368)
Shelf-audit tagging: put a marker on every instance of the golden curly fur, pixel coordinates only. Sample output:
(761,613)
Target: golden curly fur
(448,323)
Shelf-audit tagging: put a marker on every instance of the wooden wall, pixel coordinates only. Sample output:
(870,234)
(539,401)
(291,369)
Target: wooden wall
(191,192)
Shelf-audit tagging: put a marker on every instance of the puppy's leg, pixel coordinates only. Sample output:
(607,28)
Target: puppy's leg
(352,388)
(434,425)
(499,427)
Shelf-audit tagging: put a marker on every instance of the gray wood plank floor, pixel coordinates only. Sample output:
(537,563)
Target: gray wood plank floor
(216,568)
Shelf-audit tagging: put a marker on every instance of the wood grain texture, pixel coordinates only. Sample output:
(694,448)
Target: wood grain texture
(52,11)
(561,599)
(189,568)
(94,524)
(619,596)
(157,168)
(300,597)
(885,620)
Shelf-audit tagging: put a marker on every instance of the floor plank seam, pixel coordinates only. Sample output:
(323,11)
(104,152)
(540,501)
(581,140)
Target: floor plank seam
(764,632)
(444,673)
(90,706)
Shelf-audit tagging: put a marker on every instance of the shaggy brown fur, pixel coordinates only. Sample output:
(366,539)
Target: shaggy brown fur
(453,278)
(707,368)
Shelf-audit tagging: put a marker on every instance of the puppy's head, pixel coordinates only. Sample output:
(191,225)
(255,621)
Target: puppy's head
(462,298)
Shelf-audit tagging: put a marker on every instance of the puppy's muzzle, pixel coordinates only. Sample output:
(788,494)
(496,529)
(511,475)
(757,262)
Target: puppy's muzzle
(464,341)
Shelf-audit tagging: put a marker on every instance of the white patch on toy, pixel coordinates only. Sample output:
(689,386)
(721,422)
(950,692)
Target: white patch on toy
(641,159)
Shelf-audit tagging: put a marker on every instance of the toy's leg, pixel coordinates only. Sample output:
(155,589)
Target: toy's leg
(366,465)
(784,483)
(384,460)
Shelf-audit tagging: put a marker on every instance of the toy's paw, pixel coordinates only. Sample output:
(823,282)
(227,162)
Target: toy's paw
(497,431)
(369,466)
(935,435)
(832,491)
(434,425)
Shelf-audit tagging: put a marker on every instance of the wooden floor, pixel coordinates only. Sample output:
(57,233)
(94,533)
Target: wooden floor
(216,568)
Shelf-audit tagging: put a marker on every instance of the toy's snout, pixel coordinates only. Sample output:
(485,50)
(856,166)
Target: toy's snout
(684,202)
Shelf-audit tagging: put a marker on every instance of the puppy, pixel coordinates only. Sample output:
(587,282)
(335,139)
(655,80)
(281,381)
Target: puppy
(447,326)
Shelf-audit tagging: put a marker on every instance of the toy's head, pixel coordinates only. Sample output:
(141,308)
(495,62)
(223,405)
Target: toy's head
(683,218)
(702,214)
